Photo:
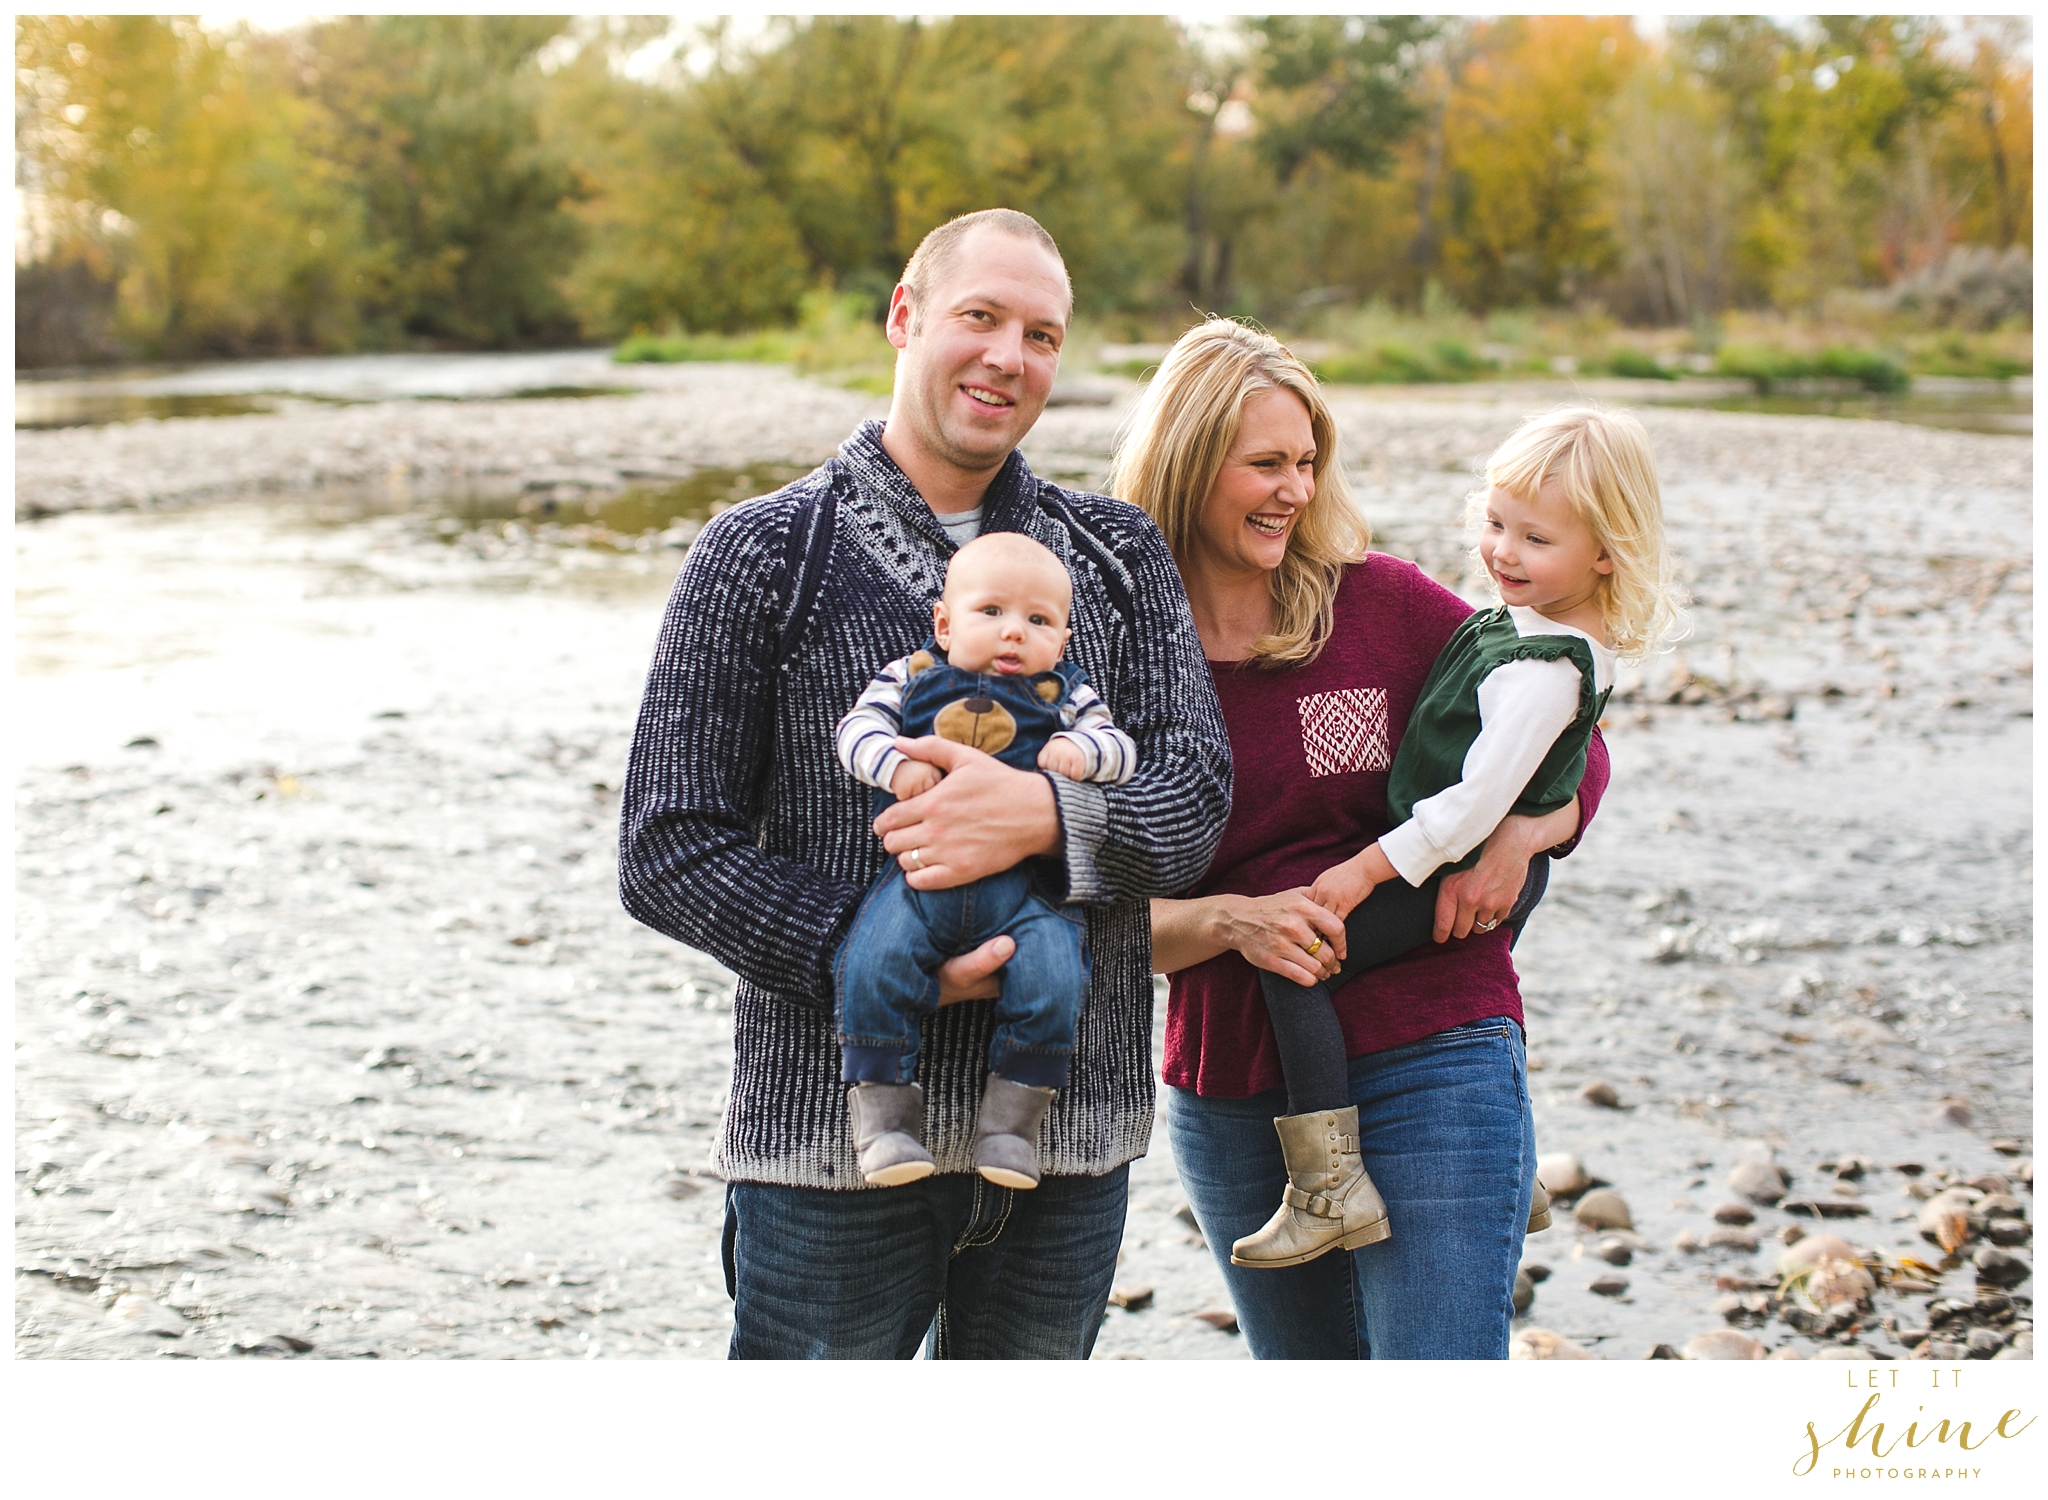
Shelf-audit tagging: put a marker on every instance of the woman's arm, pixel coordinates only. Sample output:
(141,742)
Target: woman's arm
(1272,932)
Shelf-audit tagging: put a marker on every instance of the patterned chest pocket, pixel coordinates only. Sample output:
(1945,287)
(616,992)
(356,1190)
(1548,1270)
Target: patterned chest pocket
(1345,731)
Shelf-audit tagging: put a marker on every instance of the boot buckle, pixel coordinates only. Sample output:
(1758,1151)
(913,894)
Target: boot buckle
(1318,1204)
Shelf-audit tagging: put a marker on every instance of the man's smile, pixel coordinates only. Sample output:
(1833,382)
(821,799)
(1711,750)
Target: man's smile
(984,396)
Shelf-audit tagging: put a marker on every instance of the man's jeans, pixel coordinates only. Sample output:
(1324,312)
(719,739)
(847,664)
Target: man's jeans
(969,1269)
(1445,1130)
(886,972)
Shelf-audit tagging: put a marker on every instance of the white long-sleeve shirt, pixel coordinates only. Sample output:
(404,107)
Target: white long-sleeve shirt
(1523,707)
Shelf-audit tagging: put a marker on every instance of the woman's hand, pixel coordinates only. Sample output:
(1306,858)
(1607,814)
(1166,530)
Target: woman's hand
(1480,898)
(1274,932)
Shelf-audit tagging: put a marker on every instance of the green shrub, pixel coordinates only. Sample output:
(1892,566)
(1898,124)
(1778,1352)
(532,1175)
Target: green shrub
(1766,368)
(1637,365)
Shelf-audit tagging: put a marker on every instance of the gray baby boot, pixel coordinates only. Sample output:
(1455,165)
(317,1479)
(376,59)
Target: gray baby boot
(1006,1134)
(888,1132)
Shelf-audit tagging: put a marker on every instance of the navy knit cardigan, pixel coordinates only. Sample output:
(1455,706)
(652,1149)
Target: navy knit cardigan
(742,836)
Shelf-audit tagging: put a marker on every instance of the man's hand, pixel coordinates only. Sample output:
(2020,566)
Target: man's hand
(1065,757)
(980,820)
(976,975)
(912,778)
(1340,888)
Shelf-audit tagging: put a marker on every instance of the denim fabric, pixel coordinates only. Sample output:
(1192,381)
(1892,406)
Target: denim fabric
(1445,1130)
(886,971)
(968,1269)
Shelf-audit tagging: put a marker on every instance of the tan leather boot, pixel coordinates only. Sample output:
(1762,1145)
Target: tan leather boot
(1539,1211)
(1329,1204)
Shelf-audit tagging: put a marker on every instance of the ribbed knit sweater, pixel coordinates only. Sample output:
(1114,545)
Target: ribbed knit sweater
(741,835)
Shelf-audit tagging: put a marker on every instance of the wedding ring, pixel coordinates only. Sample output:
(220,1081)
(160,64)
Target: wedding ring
(1310,950)
(917,859)
(1486,926)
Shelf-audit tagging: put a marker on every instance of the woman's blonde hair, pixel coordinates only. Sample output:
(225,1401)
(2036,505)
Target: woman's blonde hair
(1173,447)
(1600,460)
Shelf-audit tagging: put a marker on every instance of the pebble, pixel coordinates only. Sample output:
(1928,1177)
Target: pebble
(1843,1351)
(1952,1112)
(1999,1268)
(273,1344)
(1985,1342)
(1943,1350)
(1614,1252)
(2007,1148)
(1814,1248)
(1759,1181)
(1910,1286)
(1524,1293)
(1608,1284)
(1662,1351)
(1734,1213)
(2008,1231)
(1603,1208)
(1686,1241)
(1787,1351)
(1537,1271)
(1601,1094)
(144,1316)
(1222,1319)
(1908,1168)
(1733,1239)
(1562,1174)
(1848,1168)
(1825,1208)
(1723,1343)
(1132,1298)
(1790,1234)
(1541,1343)
(2001,1206)
(1991,1185)
(1945,1218)
(2022,1345)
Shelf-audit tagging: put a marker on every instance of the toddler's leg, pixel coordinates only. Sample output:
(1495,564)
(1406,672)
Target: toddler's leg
(1311,1044)
(883,980)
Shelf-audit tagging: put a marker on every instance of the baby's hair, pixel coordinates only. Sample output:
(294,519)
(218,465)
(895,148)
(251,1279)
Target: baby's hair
(1012,548)
(1601,460)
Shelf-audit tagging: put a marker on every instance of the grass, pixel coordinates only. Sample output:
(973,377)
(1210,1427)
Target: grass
(836,337)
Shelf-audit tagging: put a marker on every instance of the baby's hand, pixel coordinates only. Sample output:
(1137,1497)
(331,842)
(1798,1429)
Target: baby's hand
(913,777)
(1341,887)
(1065,757)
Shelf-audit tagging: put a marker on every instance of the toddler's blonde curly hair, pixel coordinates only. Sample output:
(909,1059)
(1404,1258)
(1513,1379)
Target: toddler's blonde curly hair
(1600,460)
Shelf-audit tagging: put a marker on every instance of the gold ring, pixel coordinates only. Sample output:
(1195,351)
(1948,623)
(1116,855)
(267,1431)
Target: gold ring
(1312,947)
(917,859)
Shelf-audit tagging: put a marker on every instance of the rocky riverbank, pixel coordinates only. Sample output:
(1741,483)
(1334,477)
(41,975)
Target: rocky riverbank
(333,1041)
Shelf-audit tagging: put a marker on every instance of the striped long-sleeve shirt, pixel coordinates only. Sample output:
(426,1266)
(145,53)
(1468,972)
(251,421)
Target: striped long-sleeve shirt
(866,738)
(743,837)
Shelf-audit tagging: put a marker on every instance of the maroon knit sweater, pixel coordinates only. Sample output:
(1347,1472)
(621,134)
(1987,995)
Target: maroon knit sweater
(1310,747)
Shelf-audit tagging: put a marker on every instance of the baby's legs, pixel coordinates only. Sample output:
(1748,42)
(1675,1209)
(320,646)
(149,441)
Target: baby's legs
(1043,985)
(886,983)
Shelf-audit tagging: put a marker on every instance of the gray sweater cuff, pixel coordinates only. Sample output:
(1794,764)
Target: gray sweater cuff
(1084,824)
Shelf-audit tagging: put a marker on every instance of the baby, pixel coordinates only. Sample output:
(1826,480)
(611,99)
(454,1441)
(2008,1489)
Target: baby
(1571,535)
(991,677)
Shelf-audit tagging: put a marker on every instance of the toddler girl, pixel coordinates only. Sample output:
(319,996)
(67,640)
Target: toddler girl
(1571,536)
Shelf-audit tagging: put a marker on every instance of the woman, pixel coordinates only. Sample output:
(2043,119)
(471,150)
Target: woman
(1319,651)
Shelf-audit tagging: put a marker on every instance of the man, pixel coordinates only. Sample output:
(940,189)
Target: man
(742,836)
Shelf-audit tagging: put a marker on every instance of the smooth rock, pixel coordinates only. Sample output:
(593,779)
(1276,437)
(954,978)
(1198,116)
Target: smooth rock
(1222,1319)
(1790,1234)
(1759,1181)
(1842,1351)
(145,1316)
(1952,1112)
(1825,1208)
(1945,1218)
(1524,1293)
(1686,1241)
(1991,1185)
(1614,1252)
(2022,1345)
(1985,1342)
(1603,1208)
(1910,1286)
(1662,1351)
(1562,1174)
(1536,1271)
(1908,1168)
(1999,1268)
(1787,1351)
(1811,1249)
(1734,1213)
(2001,1206)
(1608,1284)
(273,1345)
(1733,1239)
(1850,1168)
(2007,1148)
(1541,1343)
(1724,1343)
(2008,1231)
(1131,1298)
(1600,1093)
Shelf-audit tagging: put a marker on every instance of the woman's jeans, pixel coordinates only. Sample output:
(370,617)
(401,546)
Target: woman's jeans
(969,1269)
(1445,1130)
(886,976)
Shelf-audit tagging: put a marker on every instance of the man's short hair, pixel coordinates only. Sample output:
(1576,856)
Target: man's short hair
(938,252)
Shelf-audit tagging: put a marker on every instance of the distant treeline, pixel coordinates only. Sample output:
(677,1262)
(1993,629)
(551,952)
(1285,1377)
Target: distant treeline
(476,181)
